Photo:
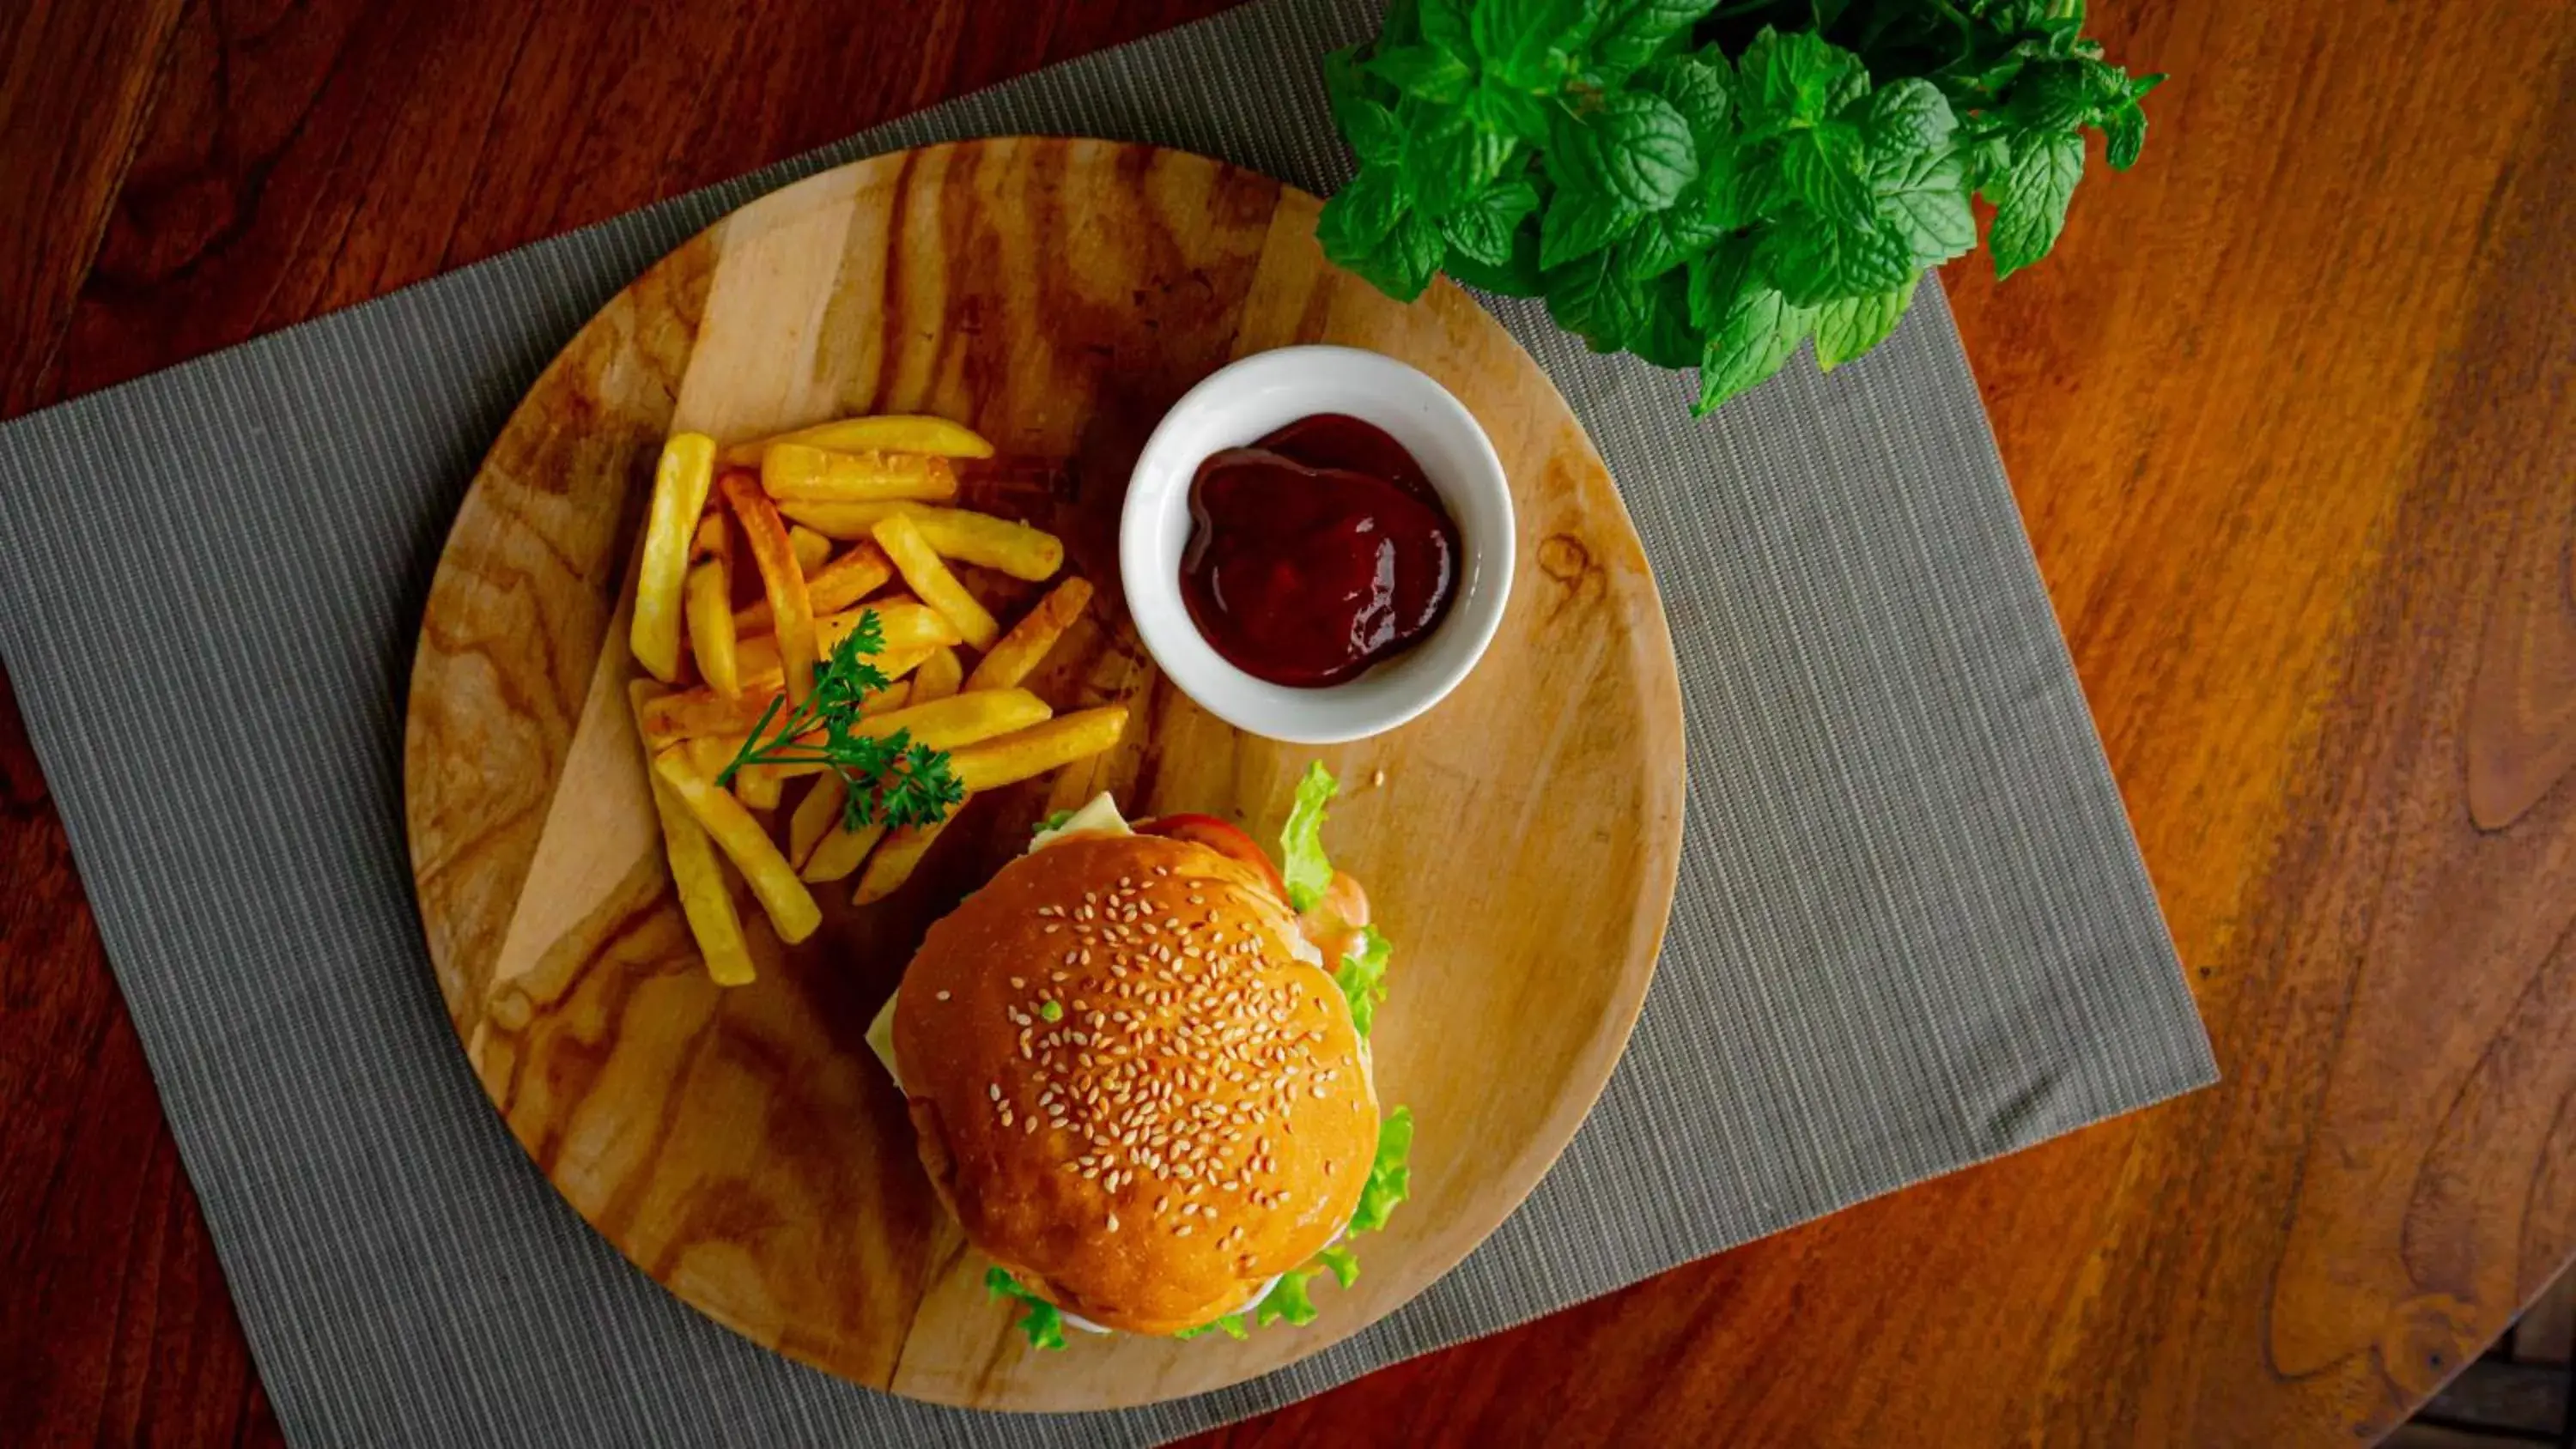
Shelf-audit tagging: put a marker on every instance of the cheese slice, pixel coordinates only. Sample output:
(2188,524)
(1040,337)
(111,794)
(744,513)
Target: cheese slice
(881,1037)
(1101,815)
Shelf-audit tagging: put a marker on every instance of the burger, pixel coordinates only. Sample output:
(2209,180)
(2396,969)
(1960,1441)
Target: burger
(1137,1067)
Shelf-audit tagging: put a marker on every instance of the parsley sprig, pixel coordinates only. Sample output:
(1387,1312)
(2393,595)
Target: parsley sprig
(1710,185)
(888,779)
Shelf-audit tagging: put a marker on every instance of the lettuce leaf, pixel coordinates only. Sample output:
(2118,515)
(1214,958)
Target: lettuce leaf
(1231,1326)
(1363,977)
(1390,1177)
(1344,1263)
(1301,840)
(1287,1299)
(1053,822)
(1043,1323)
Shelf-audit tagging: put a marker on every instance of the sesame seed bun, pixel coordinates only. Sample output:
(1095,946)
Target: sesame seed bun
(1205,1120)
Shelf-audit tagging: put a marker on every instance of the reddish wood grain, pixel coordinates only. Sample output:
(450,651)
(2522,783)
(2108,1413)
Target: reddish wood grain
(2290,420)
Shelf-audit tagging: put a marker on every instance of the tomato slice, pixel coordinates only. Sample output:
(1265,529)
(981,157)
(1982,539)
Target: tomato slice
(1225,839)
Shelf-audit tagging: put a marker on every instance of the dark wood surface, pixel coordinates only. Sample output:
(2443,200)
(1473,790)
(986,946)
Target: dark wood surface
(2291,423)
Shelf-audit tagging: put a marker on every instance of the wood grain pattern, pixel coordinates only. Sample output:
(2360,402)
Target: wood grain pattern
(2276,415)
(742,1146)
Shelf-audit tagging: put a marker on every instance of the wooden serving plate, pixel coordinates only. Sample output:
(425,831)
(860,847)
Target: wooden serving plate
(742,1146)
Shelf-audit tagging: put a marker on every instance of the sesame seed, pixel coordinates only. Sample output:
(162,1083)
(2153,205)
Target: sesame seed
(943,996)
(1113,1222)
(994,1091)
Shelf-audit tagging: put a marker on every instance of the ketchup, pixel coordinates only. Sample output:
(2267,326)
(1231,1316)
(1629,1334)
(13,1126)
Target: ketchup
(1316,552)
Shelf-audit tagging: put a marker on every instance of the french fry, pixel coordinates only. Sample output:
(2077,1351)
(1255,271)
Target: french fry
(790,607)
(1017,654)
(705,900)
(893,697)
(710,600)
(709,540)
(994,543)
(851,521)
(928,577)
(906,628)
(840,852)
(697,714)
(817,815)
(714,727)
(707,754)
(759,787)
(890,432)
(844,581)
(961,719)
(812,551)
(892,862)
(800,473)
(902,623)
(939,676)
(758,665)
(1011,758)
(999,544)
(680,482)
(790,906)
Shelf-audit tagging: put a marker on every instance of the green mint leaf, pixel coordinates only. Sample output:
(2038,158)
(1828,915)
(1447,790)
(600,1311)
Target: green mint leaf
(1697,88)
(2013,15)
(2031,210)
(1854,325)
(1424,71)
(1669,339)
(1519,275)
(1636,148)
(1924,198)
(1662,242)
(1390,1175)
(1483,229)
(1578,223)
(1444,23)
(1821,168)
(1362,977)
(1528,44)
(1633,32)
(1597,299)
(1751,329)
(2125,132)
(1410,257)
(1815,264)
(1504,111)
(1302,863)
(1370,228)
(1796,77)
(1828,11)
(2055,96)
(1368,126)
(1908,116)
(1361,214)
(1451,160)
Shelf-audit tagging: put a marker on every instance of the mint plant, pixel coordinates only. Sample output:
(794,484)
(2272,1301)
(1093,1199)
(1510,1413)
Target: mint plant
(1709,185)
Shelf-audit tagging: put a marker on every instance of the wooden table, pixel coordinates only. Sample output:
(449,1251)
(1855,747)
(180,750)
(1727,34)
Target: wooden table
(2292,418)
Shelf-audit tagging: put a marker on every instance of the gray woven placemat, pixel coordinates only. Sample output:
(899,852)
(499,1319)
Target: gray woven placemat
(1913,930)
